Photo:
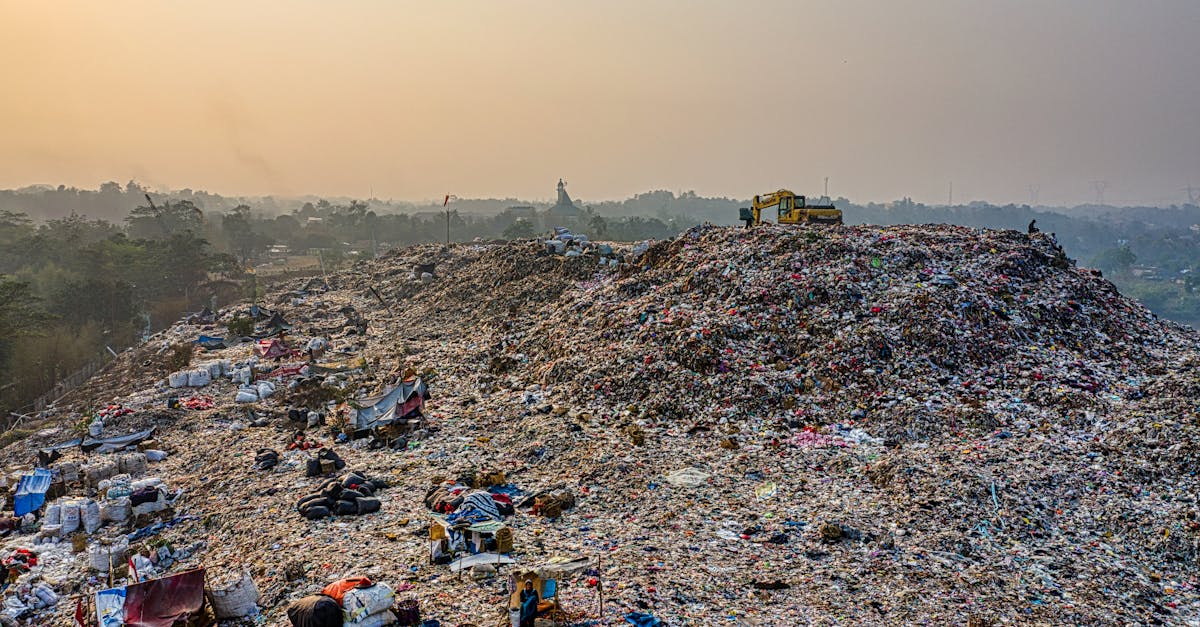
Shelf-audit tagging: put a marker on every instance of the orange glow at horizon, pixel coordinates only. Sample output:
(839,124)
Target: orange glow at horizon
(489,99)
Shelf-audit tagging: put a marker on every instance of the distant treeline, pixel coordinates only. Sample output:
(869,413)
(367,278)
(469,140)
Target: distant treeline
(81,270)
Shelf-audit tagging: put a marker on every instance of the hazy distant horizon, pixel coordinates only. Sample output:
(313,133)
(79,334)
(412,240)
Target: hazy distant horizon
(474,201)
(1025,103)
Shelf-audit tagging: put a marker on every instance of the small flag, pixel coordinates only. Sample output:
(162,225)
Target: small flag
(133,569)
(446,201)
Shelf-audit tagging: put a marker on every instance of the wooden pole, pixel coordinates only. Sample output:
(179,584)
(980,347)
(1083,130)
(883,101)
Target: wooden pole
(600,584)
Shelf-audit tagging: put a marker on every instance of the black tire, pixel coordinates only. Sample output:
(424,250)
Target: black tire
(368,505)
(332,489)
(345,508)
(312,499)
(315,512)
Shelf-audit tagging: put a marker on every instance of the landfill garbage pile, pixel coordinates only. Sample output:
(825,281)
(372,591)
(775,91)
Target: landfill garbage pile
(768,426)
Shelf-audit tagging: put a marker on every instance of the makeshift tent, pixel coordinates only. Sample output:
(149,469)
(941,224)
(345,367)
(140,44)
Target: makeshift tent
(108,445)
(446,540)
(50,454)
(272,349)
(153,603)
(31,491)
(274,326)
(204,316)
(400,403)
(545,578)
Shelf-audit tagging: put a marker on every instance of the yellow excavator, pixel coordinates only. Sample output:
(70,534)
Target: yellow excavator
(792,209)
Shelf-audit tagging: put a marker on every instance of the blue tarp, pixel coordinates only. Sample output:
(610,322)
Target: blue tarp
(31,492)
(381,410)
(642,619)
(210,342)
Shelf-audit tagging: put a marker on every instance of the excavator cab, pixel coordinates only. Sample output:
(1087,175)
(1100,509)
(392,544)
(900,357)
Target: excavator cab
(786,205)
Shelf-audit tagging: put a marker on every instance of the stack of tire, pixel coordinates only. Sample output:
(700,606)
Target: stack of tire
(326,462)
(352,495)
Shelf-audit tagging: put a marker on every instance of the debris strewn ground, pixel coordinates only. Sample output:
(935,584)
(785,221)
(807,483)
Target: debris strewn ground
(873,425)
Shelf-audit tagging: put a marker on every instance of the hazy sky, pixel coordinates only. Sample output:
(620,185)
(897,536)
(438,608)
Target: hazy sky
(488,98)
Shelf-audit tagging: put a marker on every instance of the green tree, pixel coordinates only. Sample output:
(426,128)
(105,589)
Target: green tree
(16,230)
(521,229)
(161,222)
(21,315)
(286,227)
(598,226)
(245,241)
(1115,259)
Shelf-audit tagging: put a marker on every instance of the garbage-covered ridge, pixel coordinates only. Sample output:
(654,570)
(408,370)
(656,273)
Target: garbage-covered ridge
(768,426)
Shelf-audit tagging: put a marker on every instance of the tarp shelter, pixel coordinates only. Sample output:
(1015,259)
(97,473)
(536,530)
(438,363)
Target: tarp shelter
(402,402)
(153,603)
(274,326)
(108,445)
(31,491)
(545,578)
(272,349)
(445,540)
(49,454)
(211,343)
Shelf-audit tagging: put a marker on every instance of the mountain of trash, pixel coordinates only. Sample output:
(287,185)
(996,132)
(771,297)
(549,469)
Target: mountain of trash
(767,426)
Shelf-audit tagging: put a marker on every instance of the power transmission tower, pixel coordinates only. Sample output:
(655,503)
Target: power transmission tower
(1100,187)
(1034,190)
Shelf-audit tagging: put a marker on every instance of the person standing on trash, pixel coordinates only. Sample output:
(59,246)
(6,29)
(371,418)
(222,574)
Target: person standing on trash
(529,604)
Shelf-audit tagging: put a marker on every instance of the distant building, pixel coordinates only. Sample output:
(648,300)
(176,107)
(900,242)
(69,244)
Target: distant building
(565,207)
(1149,273)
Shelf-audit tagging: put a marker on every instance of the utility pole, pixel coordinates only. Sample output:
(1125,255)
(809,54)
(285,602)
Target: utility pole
(827,187)
(951,202)
(446,204)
